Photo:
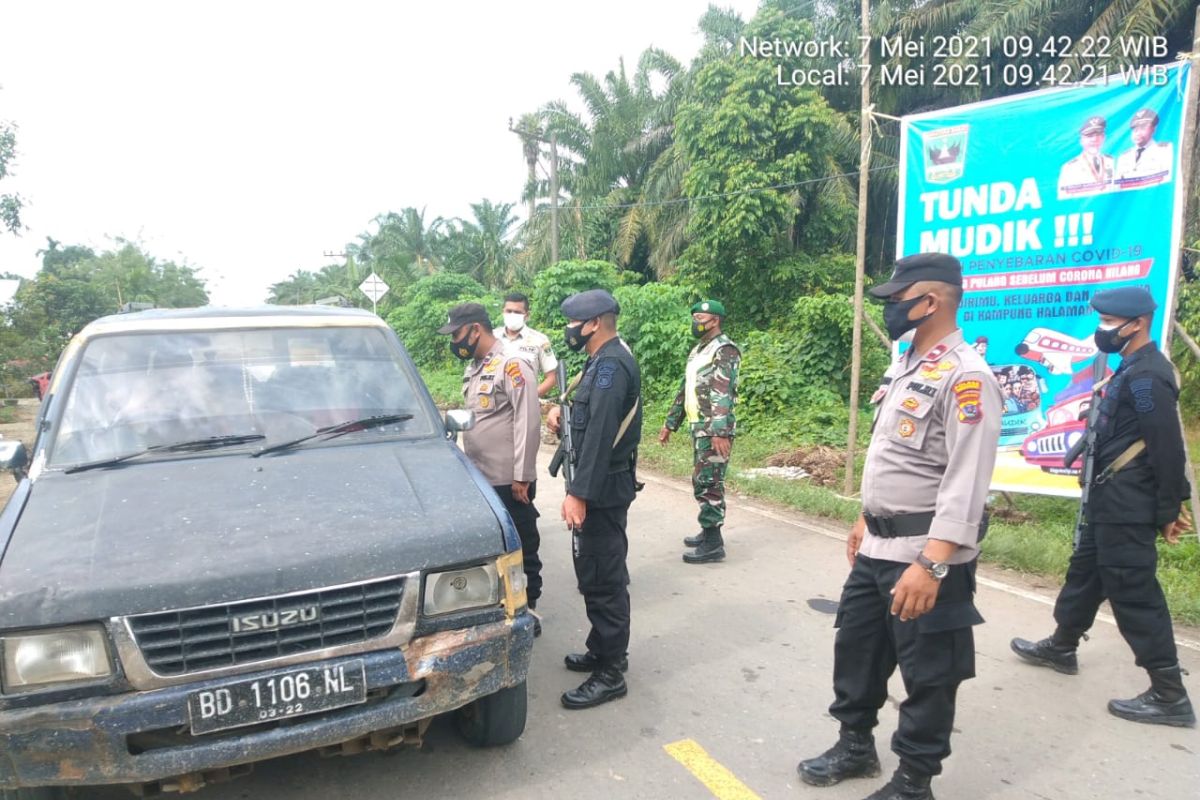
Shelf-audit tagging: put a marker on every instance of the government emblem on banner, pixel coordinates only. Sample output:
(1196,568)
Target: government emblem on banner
(945,153)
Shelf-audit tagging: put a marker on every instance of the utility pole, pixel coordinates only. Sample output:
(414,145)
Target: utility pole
(554,197)
(864,159)
(553,142)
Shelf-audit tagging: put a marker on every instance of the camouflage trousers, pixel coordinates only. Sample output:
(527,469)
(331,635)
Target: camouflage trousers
(708,482)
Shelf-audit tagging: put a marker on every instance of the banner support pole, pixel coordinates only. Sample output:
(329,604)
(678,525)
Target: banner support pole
(1188,147)
(864,159)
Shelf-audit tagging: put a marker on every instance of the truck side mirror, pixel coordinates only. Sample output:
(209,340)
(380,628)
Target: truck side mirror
(13,455)
(458,419)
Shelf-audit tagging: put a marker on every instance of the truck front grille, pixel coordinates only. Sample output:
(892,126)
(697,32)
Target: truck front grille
(194,640)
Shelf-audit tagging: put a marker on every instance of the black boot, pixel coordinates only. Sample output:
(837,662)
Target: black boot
(589,662)
(853,756)
(1164,703)
(906,784)
(694,541)
(601,686)
(1056,652)
(711,549)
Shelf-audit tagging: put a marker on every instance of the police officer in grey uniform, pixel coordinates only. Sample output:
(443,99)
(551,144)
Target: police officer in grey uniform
(909,597)
(500,389)
(606,426)
(1137,495)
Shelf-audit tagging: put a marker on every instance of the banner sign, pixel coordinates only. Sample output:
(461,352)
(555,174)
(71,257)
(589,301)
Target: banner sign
(1047,198)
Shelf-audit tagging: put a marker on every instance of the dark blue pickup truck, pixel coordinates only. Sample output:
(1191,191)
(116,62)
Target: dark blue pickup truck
(242,534)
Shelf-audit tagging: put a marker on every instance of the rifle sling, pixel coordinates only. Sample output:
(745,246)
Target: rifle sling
(1120,462)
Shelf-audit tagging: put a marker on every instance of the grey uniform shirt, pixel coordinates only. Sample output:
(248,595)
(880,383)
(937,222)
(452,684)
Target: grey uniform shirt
(933,446)
(500,389)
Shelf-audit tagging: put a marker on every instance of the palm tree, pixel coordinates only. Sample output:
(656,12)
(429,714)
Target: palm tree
(483,247)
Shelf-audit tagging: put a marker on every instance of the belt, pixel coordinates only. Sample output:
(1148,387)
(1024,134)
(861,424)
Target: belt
(899,525)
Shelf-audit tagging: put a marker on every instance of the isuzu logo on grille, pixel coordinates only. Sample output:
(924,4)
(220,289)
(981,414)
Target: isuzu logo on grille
(273,620)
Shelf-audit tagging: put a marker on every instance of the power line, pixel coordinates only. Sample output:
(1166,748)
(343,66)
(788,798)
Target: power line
(679,200)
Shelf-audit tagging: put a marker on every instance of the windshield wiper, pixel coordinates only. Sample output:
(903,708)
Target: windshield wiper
(189,446)
(334,431)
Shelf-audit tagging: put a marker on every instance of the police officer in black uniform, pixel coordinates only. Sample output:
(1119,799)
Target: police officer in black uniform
(1138,493)
(606,426)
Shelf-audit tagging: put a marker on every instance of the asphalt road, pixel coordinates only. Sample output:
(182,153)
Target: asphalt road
(736,658)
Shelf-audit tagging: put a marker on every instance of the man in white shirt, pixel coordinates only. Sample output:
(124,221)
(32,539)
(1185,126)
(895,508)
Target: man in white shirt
(521,340)
(1148,162)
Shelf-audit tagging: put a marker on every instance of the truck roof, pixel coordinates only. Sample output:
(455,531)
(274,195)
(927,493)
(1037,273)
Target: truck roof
(222,318)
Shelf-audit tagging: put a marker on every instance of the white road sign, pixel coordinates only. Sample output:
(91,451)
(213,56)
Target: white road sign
(373,287)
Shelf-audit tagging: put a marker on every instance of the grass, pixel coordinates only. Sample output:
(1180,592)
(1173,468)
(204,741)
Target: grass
(1041,545)
(7,414)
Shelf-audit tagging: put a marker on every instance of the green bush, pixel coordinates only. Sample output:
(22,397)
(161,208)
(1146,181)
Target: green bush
(656,323)
(1188,314)
(430,299)
(795,380)
(558,282)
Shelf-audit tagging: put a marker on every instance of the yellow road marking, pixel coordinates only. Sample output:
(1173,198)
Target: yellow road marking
(721,782)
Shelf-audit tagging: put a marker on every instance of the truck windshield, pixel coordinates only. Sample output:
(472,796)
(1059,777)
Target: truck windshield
(137,391)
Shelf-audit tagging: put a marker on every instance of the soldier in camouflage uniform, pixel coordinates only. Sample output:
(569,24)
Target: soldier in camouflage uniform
(706,397)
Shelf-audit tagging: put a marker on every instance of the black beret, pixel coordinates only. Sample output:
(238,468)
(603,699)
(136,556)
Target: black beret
(1126,303)
(589,305)
(921,267)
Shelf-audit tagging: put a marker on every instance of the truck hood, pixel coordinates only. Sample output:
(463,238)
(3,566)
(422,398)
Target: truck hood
(157,535)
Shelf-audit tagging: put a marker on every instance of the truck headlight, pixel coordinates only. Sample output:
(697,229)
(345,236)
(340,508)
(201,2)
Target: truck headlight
(459,589)
(66,655)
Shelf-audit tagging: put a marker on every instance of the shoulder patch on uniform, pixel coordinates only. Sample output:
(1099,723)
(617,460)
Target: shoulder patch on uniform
(1143,394)
(604,374)
(513,370)
(968,395)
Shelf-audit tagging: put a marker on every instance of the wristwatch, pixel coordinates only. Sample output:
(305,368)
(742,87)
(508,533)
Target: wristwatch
(936,569)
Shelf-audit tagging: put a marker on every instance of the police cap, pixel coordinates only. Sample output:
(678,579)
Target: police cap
(921,267)
(589,305)
(1093,125)
(1144,117)
(709,307)
(465,314)
(1127,303)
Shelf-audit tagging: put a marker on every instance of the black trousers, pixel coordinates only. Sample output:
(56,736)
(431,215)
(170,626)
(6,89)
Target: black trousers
(935,652)
(600,550)
(525,517)
(1118,563)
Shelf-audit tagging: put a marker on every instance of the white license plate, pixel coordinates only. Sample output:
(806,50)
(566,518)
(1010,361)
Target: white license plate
(287,694)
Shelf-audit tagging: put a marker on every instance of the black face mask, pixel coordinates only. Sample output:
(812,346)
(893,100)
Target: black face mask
(1108,340)
(462,348)
(576,340)
(895,316)
(700,328)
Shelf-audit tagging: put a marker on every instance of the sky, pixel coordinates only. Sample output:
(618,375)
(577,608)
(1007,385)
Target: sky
(249,139)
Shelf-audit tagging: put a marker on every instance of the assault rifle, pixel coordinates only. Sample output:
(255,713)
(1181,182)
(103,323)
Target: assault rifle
(1087,444)
(564,457)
